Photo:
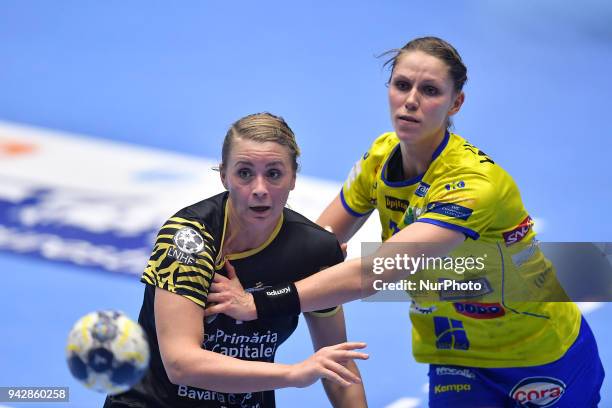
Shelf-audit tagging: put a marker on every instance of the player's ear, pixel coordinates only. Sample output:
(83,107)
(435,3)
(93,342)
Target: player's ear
(223,175)
(292,185)
(456,106)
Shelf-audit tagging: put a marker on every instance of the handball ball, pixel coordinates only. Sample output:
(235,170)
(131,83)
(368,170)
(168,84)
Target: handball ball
(107,351)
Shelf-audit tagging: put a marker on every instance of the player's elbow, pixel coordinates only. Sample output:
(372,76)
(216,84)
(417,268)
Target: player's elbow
(180,366)
(176,370)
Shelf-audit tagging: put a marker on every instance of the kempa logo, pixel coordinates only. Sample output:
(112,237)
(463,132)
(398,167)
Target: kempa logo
(538,392)
(438,389)
(283,291)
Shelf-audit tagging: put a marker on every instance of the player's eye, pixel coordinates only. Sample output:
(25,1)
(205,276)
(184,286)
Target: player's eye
(430,90)
(274,174)
(401,85)
(244,173)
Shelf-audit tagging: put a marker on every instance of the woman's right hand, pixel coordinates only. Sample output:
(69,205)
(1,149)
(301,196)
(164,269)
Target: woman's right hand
(329,363)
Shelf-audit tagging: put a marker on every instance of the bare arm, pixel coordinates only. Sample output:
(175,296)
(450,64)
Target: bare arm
(180,332)
(344,282)
(343,224)
(327,331)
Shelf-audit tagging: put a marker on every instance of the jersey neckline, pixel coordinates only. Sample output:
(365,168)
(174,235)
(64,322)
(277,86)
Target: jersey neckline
(220,261)
(418,178)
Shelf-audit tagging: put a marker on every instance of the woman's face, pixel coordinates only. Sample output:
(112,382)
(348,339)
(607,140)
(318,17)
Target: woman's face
(421,97)
(259,177)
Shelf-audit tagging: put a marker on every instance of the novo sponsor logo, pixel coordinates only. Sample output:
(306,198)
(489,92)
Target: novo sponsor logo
(439,389)
(538,392)
(396,204)
(518,233)
(480,310)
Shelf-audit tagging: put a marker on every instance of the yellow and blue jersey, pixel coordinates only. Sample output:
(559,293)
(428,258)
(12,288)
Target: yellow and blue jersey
(465,190)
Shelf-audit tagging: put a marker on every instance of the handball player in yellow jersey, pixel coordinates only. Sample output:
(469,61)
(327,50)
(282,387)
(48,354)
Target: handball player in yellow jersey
(432,186)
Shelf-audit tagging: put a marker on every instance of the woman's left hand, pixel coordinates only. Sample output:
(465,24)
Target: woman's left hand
(227,296)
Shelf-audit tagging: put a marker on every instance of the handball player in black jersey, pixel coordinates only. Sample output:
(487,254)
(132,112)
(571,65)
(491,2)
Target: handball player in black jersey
(245,232)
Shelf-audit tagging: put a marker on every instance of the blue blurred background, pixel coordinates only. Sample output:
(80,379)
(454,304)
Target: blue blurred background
(173,76)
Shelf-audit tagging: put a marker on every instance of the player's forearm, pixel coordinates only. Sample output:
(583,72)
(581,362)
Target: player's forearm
(346,397)
(333,286)
(343,225)
(217,372)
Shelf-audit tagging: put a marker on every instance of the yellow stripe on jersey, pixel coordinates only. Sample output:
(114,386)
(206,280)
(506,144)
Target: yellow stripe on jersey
(182,260)
(465,190)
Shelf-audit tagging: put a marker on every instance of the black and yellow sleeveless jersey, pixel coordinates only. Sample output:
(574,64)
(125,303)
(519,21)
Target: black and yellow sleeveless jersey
(184,260)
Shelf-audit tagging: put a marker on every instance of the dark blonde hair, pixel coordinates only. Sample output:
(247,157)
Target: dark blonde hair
(261,127)
(436,47)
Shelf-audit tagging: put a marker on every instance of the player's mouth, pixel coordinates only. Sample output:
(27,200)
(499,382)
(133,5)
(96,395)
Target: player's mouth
(260,209)
(408,118)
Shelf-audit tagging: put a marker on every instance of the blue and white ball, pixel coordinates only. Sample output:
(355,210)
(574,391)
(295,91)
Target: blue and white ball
(107,351)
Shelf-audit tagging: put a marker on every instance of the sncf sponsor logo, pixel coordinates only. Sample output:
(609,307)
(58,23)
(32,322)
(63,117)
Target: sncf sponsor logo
(538,392)
(480,310)
(518,233)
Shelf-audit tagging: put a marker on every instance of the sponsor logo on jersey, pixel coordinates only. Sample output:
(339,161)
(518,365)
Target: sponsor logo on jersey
(525,254)
(422,189)
(518,233)
(480,310)
(396,204)
(366,155)
(188,240)
(482,283)
(181,256)
(455,185)
(450,334)
(412,214)
(538,392)
(248,400)
(465,372)
(450,210)
(439,389)
(417,309)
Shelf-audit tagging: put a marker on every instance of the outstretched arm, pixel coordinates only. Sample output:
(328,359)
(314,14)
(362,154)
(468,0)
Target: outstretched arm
(343,282)
(180,332)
